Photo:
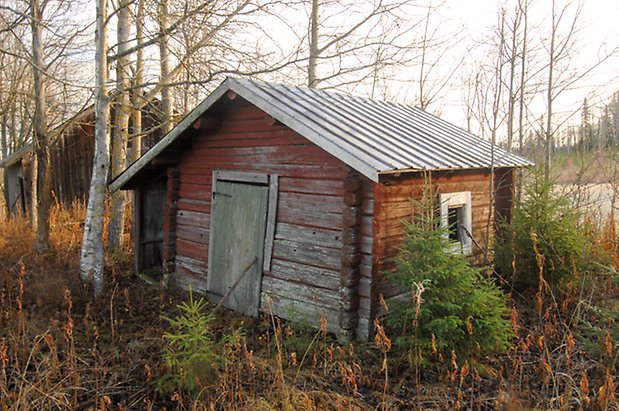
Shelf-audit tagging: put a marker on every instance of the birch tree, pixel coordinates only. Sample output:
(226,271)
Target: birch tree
(120,135)
(343,37)
(41,144)
(167,102)
(92,255)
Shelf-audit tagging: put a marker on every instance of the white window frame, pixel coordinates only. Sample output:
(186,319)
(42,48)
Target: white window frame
(456,200)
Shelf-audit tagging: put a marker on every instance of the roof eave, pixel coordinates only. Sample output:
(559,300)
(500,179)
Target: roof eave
(421,170)
(297,125)
(120,181)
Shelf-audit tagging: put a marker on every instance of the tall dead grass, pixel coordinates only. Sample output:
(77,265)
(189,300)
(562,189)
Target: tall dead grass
(59,349)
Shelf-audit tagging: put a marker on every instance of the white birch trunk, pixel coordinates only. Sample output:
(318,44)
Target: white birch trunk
(41,170)
(314,51)
(167,101)
(121,128)
(92,257)
(138,93)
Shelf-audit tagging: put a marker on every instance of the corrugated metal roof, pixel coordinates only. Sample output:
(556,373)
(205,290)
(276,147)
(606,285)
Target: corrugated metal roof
(384,136)
(369,135)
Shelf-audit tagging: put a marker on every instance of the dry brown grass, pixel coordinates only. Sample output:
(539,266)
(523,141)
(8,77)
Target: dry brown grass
(59,349)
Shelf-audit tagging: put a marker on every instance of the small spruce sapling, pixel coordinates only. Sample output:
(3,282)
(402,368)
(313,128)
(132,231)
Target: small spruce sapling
(548,222)
(461,311)
(190,351)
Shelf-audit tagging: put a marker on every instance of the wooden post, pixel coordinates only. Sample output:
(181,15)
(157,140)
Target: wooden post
(169,222)
(351,256)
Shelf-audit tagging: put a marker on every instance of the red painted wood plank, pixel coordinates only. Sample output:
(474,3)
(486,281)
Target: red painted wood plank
(194,205)
(194,191)
(190,249)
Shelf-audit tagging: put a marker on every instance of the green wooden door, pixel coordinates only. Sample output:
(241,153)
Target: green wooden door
(237,244)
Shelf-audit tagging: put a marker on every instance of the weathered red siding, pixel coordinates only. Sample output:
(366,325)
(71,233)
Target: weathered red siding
(305,276)
(325,226)
(393,198)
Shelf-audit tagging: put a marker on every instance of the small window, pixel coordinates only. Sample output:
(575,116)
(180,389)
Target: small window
(454,221)
(456,218)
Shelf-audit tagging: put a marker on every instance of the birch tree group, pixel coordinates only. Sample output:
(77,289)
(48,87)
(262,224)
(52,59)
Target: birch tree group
(528,62)
(176,51)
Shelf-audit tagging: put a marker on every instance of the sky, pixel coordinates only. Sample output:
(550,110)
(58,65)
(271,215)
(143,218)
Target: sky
(599,32)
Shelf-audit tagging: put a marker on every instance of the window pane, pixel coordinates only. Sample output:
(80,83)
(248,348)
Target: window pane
(454,220)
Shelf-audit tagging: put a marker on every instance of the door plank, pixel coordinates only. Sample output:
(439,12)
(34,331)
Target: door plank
(238,227)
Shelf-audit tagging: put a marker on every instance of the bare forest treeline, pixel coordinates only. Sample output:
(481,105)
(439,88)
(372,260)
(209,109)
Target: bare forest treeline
(513,80)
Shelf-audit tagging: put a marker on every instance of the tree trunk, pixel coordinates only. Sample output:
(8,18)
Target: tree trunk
(138,93)
(92,257)
(42,170)
(551,63)
(312,66)
(167,102)
(121,128)
(523,66)
(5,177)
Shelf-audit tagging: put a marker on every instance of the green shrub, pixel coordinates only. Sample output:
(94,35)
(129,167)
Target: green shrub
(544,232)
(190,353)
(454,307)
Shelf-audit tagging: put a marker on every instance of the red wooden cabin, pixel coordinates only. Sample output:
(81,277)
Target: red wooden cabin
(292,199)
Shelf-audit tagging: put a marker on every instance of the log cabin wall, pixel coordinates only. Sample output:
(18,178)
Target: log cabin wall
(366,286)
(72,148)
(393,206)
(304,281)
(71,158)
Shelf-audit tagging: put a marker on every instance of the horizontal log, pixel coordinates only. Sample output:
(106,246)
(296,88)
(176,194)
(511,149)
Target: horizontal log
(367,226)
(349,277)
(351,236)
(311,186)
(196,266)
(318,171)
(364,308)
(190,249)
(300,311)
(364,288)
(365,270)
(295,154)
(194,191)
(306,202)
(367,207)
(186,280)
(187,204)
(364,329)
(366,245)
(352,182)
(388,288)
(199,179)
(193,218)
(301,292)
(348,299)
(309,218)
(257,138)
(352,198)
(309,235)
(307,254)
(351,256)
(352,216)
(207,123)
(305,274)
(193,233)
(348,320)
